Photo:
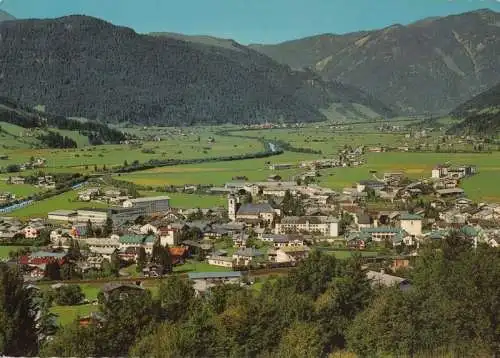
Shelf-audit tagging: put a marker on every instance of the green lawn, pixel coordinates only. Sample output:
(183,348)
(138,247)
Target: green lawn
(4,250)
(21,190)
(64,201)
(345,254)
(67,314)
(195,266)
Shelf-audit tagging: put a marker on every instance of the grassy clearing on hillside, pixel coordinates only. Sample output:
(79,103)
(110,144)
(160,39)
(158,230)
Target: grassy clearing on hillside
(80,139)
(65,201)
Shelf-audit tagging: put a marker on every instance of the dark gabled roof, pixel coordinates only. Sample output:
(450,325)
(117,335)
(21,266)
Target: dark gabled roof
(252,209)
(205,275)
(111,286)
(364,219)
(408,216)
(249,252)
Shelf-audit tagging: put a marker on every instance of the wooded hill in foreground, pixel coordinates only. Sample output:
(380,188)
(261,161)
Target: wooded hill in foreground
(322,306)
(81,66)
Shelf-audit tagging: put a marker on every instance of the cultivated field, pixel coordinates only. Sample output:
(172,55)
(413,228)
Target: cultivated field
(64,201)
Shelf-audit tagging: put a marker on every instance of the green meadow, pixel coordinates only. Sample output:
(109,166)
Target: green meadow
(217,173)
(6,249)
(64,201)
(195,143)
(21,190)
(415,165)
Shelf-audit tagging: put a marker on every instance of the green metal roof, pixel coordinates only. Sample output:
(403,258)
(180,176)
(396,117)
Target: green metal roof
(469,231)
(381,229)
(437,235)
(132,239)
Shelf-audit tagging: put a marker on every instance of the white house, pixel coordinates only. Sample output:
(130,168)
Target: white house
(223,261)
(411,223)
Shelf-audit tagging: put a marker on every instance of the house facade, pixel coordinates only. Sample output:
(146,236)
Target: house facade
(323,225)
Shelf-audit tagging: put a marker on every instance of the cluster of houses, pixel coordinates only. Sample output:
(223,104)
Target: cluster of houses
(110,196)
(44,181)
(6,197)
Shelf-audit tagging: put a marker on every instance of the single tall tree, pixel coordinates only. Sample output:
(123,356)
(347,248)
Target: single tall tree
(18,336)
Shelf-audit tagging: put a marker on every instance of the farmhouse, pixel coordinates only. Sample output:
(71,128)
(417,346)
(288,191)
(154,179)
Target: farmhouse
(439,171)
(246,256)
(282,240)
(16,180)
(223,261)
(381,279)
(385,233)
(203,281)
(280,166)
(136,242)
(121,289)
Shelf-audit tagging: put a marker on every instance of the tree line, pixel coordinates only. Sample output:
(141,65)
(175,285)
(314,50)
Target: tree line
(324,305)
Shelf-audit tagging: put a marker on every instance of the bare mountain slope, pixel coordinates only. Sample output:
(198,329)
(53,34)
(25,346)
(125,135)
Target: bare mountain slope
(432,65)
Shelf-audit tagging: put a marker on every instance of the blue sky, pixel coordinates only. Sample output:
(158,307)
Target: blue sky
(249,21)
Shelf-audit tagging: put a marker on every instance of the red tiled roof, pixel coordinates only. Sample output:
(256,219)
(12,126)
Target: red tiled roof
(177,251)
(26,260)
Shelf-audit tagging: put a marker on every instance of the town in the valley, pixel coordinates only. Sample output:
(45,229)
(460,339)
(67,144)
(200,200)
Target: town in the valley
(266,227)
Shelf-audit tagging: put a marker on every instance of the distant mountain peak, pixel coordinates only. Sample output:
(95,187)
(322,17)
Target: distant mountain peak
(5,16)
(429,66)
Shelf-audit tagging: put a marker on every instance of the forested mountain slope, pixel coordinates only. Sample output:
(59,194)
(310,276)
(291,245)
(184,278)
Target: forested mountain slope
(481,114)
(85,67)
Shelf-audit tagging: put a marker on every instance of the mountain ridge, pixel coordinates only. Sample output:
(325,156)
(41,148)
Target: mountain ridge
(429,66)
(86,67)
